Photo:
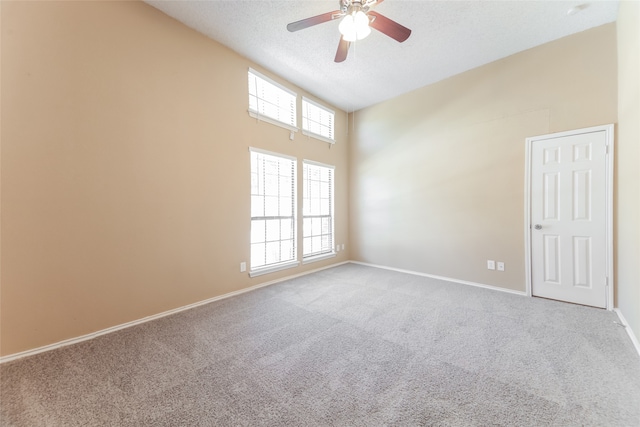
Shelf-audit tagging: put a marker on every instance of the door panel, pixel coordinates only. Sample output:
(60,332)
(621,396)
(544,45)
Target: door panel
(582,195)
(551,196)
(552,259)
(568,216)
(582,261)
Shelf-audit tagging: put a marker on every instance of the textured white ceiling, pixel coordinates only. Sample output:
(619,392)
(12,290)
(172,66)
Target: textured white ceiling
(448,37)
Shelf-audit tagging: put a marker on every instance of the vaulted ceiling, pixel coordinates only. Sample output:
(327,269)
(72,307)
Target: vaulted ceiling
(448,37)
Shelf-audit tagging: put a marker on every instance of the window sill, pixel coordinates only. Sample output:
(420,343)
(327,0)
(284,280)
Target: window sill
(268,119)
(318,258)
(273,269)
(318,137)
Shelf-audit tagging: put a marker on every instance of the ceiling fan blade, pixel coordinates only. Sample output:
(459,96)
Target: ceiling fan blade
(389,27)
(343,49)
(314,20)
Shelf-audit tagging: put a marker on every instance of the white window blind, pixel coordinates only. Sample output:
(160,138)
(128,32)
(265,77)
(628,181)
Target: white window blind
(317,121)
(317,209)
(269,100)
(273,210)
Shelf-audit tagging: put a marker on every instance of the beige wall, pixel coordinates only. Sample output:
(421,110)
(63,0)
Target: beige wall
(437,175)
(628,165)
(125,168)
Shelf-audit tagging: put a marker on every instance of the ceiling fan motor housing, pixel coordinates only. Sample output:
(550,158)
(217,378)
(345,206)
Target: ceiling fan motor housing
(353,6)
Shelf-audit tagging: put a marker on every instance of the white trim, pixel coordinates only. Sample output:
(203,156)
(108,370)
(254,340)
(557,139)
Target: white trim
(282,264)
(272,153)
(255,113)
(273,268)
(527,217)
(320,257)
(448,279)
(324,165)
(313,134)
(317,104)
(318,137)
(573,132)
(624,322)
(273,82)
(87,337)
(267,119)
(608,130)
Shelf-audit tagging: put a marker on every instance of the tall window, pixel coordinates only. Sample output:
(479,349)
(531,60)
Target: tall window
(317,120)
(273,211)
(317,209)
(271,102)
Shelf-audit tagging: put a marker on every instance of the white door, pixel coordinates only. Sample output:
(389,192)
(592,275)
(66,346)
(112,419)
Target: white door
(568,216)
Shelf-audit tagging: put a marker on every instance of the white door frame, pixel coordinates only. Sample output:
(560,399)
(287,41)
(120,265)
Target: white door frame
(608,129)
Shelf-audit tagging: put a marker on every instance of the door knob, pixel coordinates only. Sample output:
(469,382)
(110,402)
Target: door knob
(538,227)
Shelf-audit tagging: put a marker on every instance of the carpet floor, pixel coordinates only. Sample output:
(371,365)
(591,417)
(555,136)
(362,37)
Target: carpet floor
(347,346)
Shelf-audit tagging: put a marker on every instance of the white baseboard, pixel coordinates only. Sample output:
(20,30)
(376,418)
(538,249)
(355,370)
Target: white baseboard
(624,322)
(71,341)
(448,279)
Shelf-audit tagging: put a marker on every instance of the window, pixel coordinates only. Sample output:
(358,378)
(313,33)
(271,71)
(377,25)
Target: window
(317,121)
(317,209)
(273,212)
(271,102)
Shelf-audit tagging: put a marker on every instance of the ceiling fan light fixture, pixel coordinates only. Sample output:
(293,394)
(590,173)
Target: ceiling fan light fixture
(360,20)
(357,20)
(354,26)
(347,27)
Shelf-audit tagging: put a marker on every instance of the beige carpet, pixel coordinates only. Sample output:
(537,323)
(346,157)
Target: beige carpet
(348,346)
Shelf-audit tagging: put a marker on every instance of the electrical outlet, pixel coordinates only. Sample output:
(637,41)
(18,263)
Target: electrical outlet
(337,248)
(500,266)
(491,264)
(343,246)
(243,267)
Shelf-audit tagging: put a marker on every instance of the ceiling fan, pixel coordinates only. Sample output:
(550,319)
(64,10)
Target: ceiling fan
(357,20)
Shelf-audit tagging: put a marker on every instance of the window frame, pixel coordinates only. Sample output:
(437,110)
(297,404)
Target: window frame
(317,256)
(281,265)
(255,112)
(305,119)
